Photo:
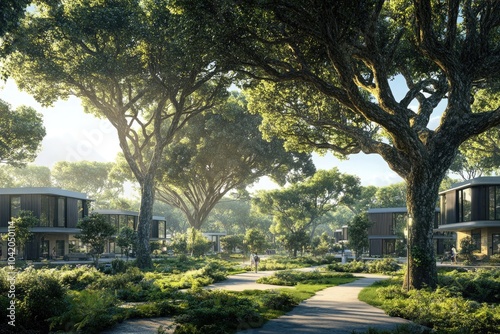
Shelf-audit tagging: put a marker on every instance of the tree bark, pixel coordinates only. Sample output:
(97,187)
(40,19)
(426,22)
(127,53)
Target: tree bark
(144,227)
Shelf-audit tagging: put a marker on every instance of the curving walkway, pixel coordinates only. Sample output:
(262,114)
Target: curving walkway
(335,310)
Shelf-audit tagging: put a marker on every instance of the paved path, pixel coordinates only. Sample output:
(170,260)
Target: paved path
(335,310)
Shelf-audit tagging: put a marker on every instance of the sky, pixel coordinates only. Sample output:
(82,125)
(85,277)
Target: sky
(73,135)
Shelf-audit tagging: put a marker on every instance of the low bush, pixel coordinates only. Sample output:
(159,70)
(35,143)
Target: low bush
(80,277)
(39,296)
(482,285)
(88,311)
(385,266)
(349,267)
(231,312)
(294,277)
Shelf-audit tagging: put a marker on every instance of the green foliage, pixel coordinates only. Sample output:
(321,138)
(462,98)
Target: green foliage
(39,296)
(448,309)
(127,239)
(80,277)
(254,240)
(349,267)
(230,242)
(197,244)
(88,311)
(358,233)
(280,300)
(23,223)
(385,266)
(481,285)
(294,277)
(466,250)
(231,311)
(21,134)
(95,231)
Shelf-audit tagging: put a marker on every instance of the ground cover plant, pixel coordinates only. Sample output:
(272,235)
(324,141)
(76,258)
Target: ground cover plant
(465,302)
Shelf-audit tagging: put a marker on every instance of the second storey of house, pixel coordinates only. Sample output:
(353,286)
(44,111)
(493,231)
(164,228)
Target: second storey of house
(471,204)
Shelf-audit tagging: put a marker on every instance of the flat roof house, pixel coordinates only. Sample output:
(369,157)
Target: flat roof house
(58,211)
(472,208)
(387,234)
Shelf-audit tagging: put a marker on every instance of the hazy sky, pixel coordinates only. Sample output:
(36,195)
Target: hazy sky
(73,135)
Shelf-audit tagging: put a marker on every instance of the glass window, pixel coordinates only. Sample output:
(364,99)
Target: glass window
(398,223)
(47,215)
(495,243)
(61,212)
(494,203)
(122,223)
(79,207)
(476,238)
(59,248)
(15,206)
(443,209)
(161,229)
(465,207)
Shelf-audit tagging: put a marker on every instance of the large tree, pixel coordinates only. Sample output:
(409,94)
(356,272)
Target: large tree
(21,134)
(137,63)
(330,64)
(220,152)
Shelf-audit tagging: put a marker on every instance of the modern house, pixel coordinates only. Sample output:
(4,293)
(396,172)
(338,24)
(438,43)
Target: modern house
(387,234)
(122,218)
(58,211)
(472,208)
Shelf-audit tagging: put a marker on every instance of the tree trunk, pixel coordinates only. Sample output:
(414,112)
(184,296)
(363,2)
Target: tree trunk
(144,227)
(422,195)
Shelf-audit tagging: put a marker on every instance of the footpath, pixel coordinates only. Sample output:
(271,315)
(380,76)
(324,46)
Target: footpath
(334,310)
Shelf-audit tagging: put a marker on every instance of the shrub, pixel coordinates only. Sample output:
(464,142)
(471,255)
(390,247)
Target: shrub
(232,313)
(386,265)
(80,277)
(349,267)
(40,296)
(482,285)
(279,300)
(88,311)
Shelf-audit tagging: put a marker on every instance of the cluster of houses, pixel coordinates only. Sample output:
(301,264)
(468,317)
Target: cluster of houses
(470,208)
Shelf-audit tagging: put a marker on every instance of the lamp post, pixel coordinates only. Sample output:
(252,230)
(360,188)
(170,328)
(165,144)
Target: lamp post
(407,233)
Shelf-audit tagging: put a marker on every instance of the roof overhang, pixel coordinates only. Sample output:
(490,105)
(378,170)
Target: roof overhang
(465,226)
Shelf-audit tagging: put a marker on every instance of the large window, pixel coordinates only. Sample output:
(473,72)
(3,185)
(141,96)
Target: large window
(161,229)
(53,211)
(495,243)
(15,206)
(464,205)
(398,223)
(494,205)
(476,238)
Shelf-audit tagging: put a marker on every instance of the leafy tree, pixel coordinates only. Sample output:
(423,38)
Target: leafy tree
(21,134)
(391,196)
(230,242)
(467,248)
(95,232)
(137,63)
(97,179)
(23,225)
(126,240)
(254,241)
(197,244)
(231,215)
(300,207)
(358,234)
(28,176)
(329,66)
(220,152)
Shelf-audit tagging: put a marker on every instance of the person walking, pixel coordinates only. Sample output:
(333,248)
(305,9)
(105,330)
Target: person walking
(254,261)
(454,255)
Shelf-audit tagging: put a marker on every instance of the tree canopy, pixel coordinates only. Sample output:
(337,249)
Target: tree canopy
(21,134)
(219,152)
(297,209)
(323,70)
(137,63)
